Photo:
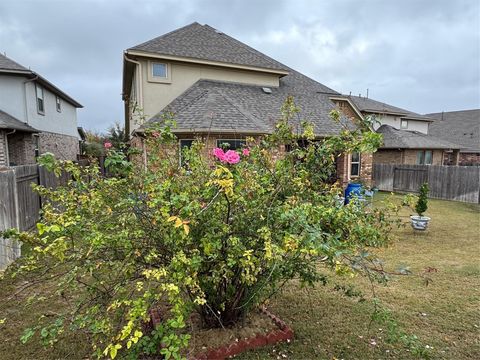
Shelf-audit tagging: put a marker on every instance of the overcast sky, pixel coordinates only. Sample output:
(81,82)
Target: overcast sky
(420,55)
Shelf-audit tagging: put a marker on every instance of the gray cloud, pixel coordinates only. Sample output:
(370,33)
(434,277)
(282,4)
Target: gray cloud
(422,55)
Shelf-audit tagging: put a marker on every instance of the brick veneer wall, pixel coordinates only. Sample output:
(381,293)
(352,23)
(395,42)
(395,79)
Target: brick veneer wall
(210,141)
(388,157)
(21,150)
(467,159)
(3,149)
(64,147)
(410,157)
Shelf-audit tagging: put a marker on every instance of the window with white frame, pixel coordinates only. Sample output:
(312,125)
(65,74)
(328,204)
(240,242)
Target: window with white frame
(159,70)
(231,144)
(58,103)
(403,124)
(424,157)
(40,99)
(355,164)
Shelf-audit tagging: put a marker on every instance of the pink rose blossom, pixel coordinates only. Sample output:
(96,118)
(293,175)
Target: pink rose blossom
(219,154)
(232,157)
(229,157)
(107,145)
(246,152)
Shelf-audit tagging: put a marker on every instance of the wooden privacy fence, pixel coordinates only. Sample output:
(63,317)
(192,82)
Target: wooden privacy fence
(19,204)
(461,183)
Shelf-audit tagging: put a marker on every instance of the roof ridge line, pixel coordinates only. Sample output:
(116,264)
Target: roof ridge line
(244,112)
(166,34)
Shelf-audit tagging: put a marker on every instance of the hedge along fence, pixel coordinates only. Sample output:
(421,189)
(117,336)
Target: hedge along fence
(460,183)
(20,205)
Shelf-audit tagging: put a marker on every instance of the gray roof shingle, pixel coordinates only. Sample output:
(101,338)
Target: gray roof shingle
(7,121)
(404,139)
(206,43)
(9,64)
(372,106)
(215,106)
(461,127)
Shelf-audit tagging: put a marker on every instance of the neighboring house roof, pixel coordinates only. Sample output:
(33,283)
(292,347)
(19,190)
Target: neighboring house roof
(7,121)
(368,105)
(203,42)
(462,127)
(405,139)
(215,106)
(8,66)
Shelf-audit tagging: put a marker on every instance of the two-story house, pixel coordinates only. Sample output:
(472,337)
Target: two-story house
(406,135)
(35,117)
(222,91)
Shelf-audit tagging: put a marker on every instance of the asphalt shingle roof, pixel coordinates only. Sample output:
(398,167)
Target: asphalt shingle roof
(206,43)
(404,139)
(216,106)
(372,106)
(7,121)
(461,127)
(9,64)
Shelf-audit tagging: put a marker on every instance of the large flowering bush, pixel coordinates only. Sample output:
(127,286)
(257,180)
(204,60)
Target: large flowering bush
(217,238)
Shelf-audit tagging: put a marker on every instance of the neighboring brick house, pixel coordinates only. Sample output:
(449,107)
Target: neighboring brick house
(223,91)
(35,117)
(463,128)
(406,135)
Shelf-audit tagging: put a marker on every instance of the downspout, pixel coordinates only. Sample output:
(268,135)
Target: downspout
(25,96)
(138,81)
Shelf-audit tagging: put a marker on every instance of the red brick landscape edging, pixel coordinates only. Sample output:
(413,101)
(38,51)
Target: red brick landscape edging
(284,333)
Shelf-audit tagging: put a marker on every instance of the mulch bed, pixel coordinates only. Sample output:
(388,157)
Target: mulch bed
(260,328)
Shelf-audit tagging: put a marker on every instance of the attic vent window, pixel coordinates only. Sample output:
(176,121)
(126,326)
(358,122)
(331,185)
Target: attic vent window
(267,90)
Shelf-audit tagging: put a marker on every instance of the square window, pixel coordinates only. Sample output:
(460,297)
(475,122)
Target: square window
(159,70)
(404,124)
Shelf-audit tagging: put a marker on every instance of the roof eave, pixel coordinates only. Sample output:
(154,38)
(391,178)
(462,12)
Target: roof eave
(148,54)
(44,82)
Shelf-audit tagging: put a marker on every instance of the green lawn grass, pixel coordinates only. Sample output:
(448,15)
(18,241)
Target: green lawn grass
(328,324)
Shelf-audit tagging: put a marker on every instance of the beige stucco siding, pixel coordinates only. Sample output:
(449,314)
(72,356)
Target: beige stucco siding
(394,121)
(157,95)
(407,156)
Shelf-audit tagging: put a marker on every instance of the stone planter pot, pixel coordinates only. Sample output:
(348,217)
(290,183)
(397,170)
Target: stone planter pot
(419,222)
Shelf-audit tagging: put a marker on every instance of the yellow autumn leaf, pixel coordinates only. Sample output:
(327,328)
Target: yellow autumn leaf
(172,218)
(178,222)
(186,228)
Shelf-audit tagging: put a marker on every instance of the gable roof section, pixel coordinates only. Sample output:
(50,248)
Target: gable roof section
(404,139)
(9,122)
(462,127)
(203,42)
(215,106)
(368,105)
(8,66)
